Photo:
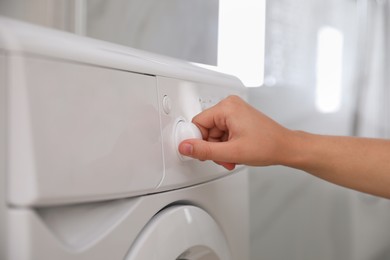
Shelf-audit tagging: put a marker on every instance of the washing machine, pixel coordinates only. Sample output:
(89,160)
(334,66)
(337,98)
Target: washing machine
(88,154)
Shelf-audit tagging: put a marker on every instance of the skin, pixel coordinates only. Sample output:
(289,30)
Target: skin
(236,133)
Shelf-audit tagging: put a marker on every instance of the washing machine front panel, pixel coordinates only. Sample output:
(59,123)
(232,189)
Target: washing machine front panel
(80,133)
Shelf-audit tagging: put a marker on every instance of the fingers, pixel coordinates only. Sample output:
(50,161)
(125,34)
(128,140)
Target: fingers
(216,116)
(227,166)
(217,126)
(203,150)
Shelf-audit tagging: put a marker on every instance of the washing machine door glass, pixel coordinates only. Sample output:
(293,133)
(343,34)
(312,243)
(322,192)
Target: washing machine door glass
(181,233)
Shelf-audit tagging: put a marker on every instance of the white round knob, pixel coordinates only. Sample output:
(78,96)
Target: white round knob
(185,130)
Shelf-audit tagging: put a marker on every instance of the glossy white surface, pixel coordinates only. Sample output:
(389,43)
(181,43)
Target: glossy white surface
(181,231)
(80,133)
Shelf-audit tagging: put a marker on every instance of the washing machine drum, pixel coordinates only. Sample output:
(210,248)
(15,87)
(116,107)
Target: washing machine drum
(180,233)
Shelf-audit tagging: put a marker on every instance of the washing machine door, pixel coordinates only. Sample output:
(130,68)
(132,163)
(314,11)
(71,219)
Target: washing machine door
(181,233)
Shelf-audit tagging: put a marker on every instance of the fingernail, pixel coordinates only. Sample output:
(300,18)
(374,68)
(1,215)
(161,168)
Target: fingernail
(186,149)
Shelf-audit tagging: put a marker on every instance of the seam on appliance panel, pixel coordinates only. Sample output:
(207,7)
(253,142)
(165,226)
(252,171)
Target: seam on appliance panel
(10,70)
(161,132)
(5,111)
(3,165)
(34,55)
(236,171)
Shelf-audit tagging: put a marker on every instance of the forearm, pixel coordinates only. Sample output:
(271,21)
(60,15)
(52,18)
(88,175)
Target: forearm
(236,133)
(359,163)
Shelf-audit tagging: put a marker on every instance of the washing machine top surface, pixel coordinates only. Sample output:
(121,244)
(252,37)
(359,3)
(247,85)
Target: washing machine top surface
(26,39)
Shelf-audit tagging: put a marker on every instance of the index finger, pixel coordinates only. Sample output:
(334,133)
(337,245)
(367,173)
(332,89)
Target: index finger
(213,117)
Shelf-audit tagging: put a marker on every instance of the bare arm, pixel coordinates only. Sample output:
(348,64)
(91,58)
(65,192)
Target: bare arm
(236,133)
(359,163)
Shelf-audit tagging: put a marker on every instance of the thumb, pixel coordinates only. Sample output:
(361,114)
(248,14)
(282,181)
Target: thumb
(203,150)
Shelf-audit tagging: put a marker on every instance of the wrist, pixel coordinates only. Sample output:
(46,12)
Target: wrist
(297,152)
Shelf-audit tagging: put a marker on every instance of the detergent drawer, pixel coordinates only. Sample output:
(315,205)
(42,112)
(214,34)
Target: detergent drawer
(79,133)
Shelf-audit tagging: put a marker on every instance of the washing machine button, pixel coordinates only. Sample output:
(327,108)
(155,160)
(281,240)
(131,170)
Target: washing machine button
(167,104)
(185,130)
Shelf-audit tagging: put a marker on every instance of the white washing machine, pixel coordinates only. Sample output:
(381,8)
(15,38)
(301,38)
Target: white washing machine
(88,154)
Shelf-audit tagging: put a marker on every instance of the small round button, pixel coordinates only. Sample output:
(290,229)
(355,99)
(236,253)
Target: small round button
(183,131)
(166,104)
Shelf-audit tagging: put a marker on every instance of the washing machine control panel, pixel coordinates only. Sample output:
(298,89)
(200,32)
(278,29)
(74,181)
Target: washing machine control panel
(179,102)
(209,101)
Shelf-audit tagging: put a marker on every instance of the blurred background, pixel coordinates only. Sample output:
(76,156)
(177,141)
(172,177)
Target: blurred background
(315,65)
